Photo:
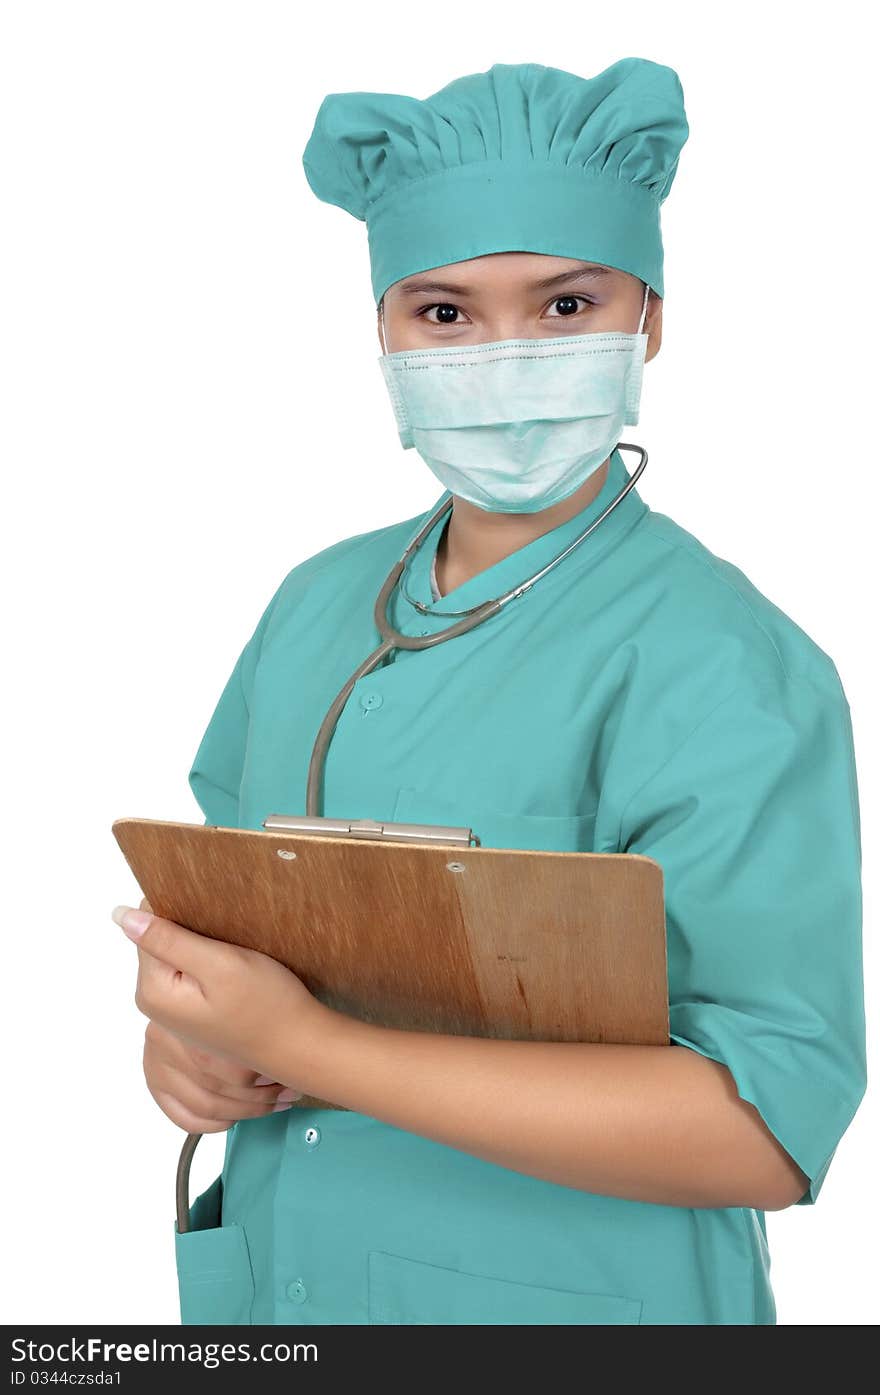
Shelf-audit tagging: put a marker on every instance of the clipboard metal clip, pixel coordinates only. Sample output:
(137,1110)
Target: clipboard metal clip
(319,826)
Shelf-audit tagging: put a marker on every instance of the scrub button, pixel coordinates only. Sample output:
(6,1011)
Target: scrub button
(297,1291)
(312,1137)
(369,700)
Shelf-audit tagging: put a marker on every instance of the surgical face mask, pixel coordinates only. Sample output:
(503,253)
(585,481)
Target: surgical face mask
(520,424)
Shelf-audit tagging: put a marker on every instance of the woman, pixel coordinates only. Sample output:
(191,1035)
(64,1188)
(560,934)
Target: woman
(642,696)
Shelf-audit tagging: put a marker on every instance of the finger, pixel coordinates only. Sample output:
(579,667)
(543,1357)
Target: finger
(211,1105)
(164,1049)
(174,1046)
(173,944)
(227,1090)
(184,1118)
(161,989)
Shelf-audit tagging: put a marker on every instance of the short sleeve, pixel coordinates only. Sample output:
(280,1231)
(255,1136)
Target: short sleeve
(215,775)
(754,819)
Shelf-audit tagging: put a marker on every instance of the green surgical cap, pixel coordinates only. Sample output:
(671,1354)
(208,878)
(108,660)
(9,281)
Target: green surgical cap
(519,158)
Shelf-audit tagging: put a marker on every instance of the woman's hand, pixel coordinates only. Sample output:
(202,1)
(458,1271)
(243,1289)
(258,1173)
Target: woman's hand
(223,999)
(201,1092)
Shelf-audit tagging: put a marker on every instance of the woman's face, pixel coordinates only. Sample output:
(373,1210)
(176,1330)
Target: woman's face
(515,295)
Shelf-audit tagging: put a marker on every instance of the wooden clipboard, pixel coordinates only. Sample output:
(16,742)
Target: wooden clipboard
(474,941)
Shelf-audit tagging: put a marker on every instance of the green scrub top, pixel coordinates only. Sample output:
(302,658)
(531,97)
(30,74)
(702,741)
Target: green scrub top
(642,697)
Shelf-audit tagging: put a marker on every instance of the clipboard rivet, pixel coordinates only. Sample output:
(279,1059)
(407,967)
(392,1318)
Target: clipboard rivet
(455,866)
(286,854)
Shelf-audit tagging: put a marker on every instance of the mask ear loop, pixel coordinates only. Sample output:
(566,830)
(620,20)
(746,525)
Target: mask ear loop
(644,309)
(382,324)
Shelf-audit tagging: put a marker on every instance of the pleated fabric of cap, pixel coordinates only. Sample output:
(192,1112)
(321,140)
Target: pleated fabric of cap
(522,157)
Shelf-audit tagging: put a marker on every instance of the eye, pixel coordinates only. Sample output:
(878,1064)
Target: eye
(442,308)
(570,304)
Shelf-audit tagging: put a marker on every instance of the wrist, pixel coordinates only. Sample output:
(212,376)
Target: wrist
(317,1051)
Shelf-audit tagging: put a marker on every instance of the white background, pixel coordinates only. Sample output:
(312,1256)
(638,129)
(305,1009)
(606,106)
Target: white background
(193,405)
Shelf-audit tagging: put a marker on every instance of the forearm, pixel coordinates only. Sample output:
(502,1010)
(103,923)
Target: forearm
(647,1123)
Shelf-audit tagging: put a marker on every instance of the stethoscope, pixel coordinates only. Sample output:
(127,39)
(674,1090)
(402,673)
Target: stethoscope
(393,638)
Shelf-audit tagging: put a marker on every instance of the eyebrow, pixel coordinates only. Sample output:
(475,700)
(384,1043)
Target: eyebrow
(583,273)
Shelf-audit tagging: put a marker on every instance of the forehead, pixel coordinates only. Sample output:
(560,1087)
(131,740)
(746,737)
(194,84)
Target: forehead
(507,270)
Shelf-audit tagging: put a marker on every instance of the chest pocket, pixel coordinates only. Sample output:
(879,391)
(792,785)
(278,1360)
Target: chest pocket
(403,1290)
(214,1274)
(498,828)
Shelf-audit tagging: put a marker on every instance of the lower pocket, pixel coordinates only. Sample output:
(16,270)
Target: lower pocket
(403,1290)
(214,1273)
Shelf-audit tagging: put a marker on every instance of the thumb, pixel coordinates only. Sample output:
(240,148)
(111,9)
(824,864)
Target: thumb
(173,944)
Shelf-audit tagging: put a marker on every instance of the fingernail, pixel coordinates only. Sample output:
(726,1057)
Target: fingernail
(264,1080)
(276,1107)
(286,1096)
(133,922)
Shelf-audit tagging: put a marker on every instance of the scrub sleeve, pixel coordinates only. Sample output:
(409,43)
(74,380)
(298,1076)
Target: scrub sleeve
(755,821)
